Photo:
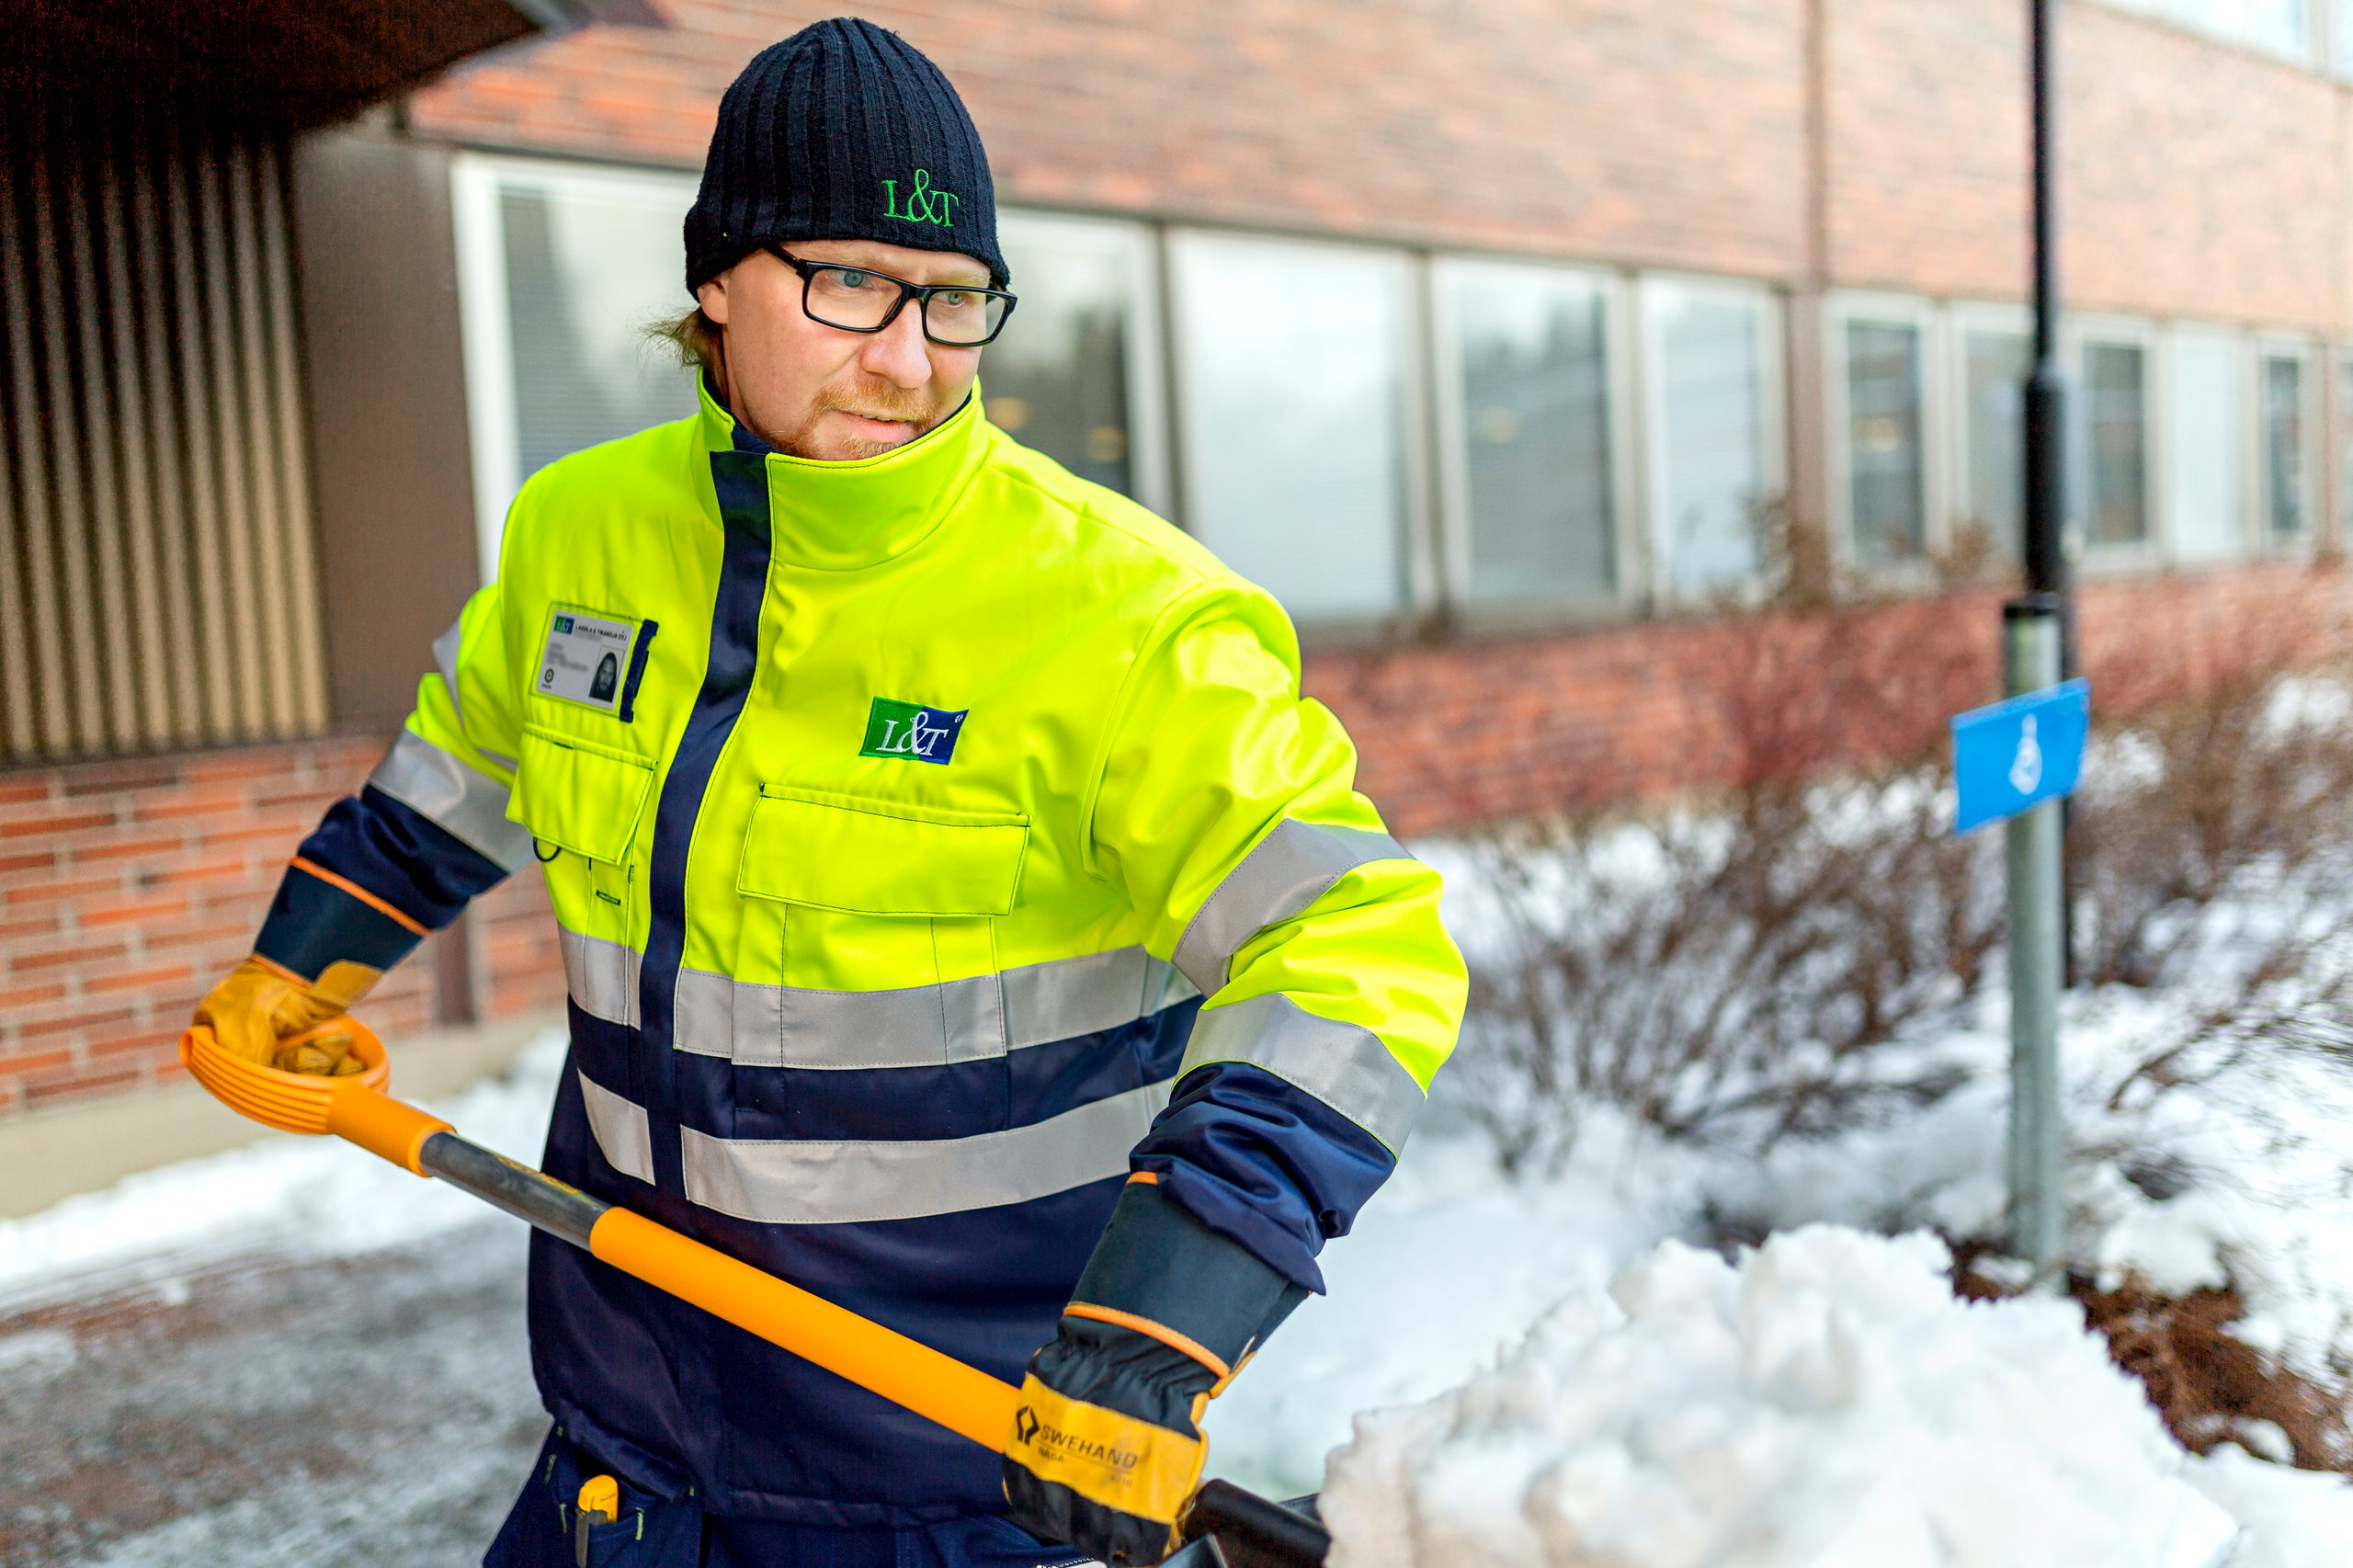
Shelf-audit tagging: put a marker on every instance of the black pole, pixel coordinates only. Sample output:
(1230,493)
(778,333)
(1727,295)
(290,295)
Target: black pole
(2043,547)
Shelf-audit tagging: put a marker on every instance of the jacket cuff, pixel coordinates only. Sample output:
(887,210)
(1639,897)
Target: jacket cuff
(320,918)
(1161,1272)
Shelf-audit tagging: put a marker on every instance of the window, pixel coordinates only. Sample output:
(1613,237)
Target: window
(2286,424)
(1885,485)
(2340,33)
(1713,453)
(2115,425)
(1292,364)
(2205,484)
(561,270)
(1993,364)
(2344,409)
(1528,429)
(1074,368)
(2283,26)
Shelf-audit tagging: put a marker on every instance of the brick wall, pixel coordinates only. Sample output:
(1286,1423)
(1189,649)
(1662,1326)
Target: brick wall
(1611,129)
(1452,736)
(2200,180)
(126,888)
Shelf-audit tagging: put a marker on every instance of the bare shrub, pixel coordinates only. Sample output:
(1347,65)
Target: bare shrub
(1728,971)
(1722,976)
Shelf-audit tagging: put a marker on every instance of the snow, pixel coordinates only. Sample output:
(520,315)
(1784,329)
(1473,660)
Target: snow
(1825,1401)
(1560,1367)
(308,1196)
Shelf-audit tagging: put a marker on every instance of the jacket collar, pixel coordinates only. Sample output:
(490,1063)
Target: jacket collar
(837,517)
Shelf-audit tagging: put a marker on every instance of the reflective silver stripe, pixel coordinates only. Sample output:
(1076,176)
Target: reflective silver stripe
(833,1184)
(619,1124)
(445,655)
(601,974)
(1290,869)
(471,805)
(920,1025)
(1344,1065)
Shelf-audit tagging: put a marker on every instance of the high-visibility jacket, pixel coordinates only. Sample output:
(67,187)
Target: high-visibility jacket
(936,839)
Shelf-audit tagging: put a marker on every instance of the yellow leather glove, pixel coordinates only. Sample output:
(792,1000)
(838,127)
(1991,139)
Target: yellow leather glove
(257,1005)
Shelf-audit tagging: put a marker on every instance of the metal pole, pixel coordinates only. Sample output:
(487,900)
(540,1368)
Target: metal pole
(2043,547)
(2031,625)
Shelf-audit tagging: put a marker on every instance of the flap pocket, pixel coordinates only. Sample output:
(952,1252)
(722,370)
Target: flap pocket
(580,798)
(872,856)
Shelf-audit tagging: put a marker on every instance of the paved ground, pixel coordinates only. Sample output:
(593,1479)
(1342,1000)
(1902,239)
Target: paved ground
(371,1413)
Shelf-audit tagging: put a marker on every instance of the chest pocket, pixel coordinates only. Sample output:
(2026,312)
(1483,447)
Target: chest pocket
(885,917)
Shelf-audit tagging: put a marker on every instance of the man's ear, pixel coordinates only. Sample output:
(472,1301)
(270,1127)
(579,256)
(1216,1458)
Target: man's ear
(713,298)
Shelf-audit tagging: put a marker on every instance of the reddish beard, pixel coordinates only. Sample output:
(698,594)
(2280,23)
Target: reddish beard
(918,408)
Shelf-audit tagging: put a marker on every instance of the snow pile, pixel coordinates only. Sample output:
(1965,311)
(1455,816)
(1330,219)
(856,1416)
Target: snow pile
(311,1196)
(1826,1403)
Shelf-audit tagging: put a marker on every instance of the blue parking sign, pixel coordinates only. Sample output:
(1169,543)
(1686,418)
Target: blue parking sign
(2020,753)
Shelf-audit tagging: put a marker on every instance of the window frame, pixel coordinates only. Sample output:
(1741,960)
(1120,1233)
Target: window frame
(1451,453)
(2152,550)
(1961,318)
(2262,346)
(1151,461)
(1839,308)
(1419,595)
(1647,405)
(477,182)
(2244,546)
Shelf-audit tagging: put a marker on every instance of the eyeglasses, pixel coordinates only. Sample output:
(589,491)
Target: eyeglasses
(858,299)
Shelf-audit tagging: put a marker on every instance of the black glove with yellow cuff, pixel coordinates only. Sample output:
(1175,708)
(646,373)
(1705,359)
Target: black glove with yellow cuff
(1106,1442)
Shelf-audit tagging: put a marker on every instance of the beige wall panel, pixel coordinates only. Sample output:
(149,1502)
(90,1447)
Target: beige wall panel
(384,375)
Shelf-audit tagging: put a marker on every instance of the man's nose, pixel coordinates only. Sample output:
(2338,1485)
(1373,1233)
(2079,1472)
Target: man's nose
(899,352)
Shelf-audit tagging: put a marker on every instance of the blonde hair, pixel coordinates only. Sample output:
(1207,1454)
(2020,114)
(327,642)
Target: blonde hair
(699,342)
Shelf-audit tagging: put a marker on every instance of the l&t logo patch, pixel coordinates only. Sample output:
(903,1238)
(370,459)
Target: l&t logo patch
(911,730)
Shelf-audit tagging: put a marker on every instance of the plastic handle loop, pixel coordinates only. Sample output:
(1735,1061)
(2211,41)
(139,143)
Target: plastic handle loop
(351,1107)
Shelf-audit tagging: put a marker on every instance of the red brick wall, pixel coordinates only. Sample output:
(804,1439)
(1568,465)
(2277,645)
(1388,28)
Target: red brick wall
(1608,128)
(126,888)
(1455,735)
(2198,180)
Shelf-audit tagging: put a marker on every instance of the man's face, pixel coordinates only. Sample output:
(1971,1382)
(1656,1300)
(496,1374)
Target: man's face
(817,392)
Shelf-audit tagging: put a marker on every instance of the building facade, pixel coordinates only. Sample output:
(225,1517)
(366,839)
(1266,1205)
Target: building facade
(1520,350)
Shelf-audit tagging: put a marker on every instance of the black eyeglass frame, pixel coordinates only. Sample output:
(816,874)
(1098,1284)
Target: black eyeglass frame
(920,292)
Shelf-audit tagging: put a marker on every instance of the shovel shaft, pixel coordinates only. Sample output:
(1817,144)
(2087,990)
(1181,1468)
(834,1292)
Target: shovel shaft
(908,1372)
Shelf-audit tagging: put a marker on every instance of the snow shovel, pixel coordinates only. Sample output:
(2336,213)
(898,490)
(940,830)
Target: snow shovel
(1225,1525)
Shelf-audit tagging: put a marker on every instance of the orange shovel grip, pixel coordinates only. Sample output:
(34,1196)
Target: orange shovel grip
(905,1371)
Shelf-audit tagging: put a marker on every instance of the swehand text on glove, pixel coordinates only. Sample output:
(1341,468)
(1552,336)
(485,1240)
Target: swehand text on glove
(1106,1440)
(258,1004)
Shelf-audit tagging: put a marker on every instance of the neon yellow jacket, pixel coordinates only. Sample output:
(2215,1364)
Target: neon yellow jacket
(935,838)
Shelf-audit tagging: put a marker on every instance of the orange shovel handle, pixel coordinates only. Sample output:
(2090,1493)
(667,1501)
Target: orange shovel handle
(962,1398)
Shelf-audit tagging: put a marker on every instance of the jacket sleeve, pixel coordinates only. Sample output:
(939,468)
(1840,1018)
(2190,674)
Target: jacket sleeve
(426,832)
(1226,808)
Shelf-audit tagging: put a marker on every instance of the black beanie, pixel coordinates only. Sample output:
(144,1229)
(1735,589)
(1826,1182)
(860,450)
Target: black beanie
(842,131)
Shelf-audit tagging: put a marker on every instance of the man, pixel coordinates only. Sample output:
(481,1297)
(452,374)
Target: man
(964,916)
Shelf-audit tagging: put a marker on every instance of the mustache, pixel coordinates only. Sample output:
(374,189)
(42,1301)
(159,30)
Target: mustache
(885,402)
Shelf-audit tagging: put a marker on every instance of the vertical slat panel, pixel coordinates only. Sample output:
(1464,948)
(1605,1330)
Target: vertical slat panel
(247,654)
(266,529)
(183,672)
(85,339)
(215,631)
(53,708)
(158,569)
(18,724)
(143,638)
(68,492)
(285,380)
